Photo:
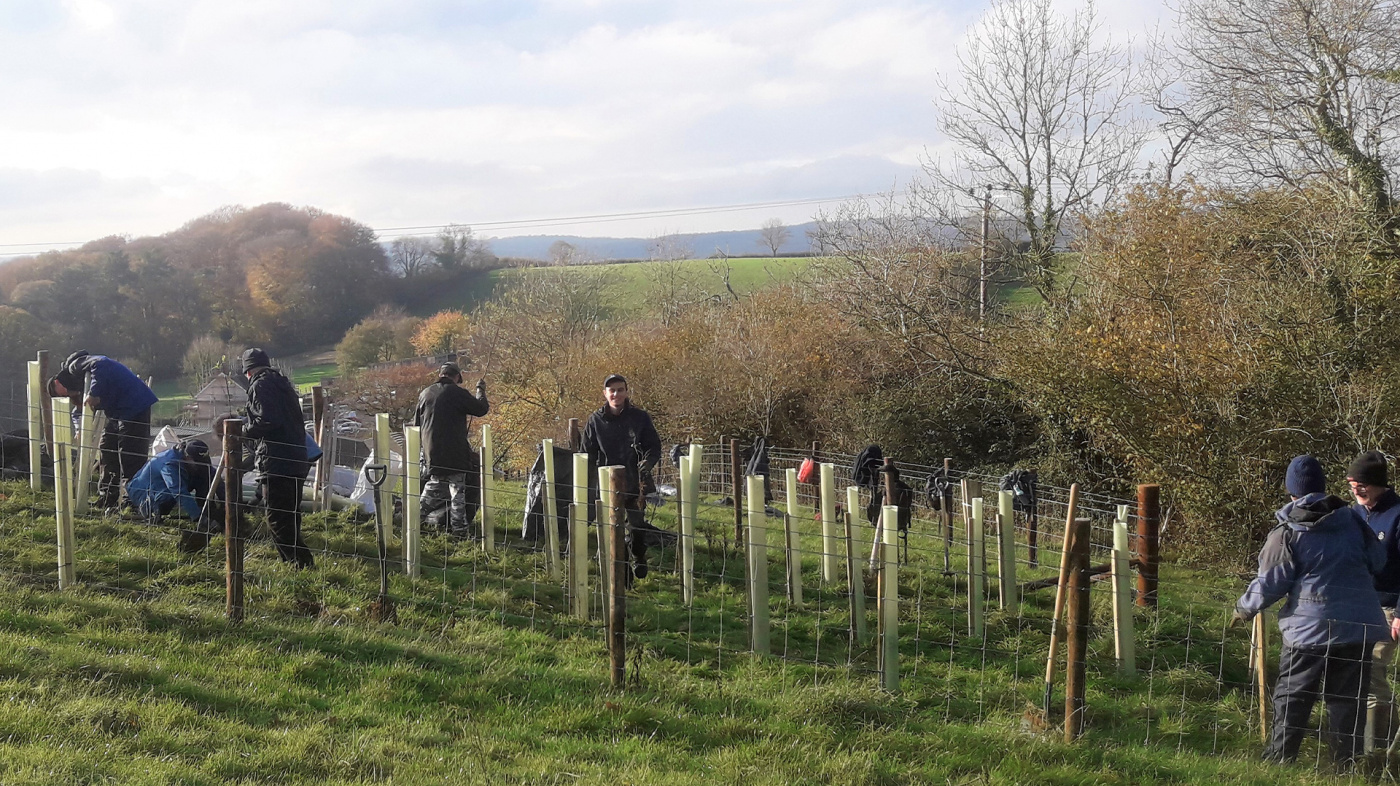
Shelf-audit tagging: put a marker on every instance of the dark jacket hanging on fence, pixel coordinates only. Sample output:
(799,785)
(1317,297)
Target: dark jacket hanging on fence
(866,469)
(275,421)
(1320,561)
(442,413)
(1022,485)
(627,439)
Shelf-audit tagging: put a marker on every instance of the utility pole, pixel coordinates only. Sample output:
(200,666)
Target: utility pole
(982,272)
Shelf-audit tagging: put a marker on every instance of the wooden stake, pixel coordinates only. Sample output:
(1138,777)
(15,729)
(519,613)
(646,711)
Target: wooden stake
(736,488)
(1076,629)
(233,502)
(617,616)
(1059,599)
(1006,551)
(1261,670)
(1148,542)
(575,436)
(758,566)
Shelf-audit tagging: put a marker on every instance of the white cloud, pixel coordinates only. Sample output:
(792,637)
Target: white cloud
(146,113)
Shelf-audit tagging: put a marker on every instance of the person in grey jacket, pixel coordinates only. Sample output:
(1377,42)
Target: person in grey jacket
(1320,560)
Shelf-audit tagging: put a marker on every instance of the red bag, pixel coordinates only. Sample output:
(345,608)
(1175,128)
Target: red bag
(807,473)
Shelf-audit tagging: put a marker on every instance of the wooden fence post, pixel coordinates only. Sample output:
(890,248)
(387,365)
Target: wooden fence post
(947,504)
(889,601)
(1006,551)
(46,412)
(617,586)
(1076,629)
(1122,596)
(551,510)
(575,436)
(976,573)
(36,427)
(855,574)
(63,491)
(233,502)
(1260,658)
(578,539)
(792,546)
(828,490)
(757,543)
(1148,542)
(736,489)
(412,482)
(1055,632)
(488,491)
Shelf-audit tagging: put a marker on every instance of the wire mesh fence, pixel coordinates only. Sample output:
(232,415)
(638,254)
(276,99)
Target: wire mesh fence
(973,646)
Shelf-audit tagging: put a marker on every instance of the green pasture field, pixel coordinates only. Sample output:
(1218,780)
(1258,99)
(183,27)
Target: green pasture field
(136,677)
(636,282)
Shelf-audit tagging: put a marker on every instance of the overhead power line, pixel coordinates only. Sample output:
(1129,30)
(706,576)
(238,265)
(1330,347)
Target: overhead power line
(520,223)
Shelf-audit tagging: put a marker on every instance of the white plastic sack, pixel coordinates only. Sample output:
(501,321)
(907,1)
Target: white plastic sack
(364,490)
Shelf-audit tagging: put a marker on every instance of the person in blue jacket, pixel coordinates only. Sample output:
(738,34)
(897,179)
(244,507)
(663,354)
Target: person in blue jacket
(178,476)
(1319,560)
(104,385)
(1377,503)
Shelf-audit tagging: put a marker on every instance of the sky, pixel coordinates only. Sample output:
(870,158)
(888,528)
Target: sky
(133,117)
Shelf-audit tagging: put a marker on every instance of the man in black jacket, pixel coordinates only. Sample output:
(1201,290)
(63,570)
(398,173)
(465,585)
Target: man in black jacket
(619,434)
(275,422)
(450,464)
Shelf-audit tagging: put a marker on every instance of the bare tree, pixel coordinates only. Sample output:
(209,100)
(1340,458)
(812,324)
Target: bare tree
(409,256)
(773,235)
(670,247)
(1303,89)
(562,252)
(459,246)
(1041,111)
(1180,122)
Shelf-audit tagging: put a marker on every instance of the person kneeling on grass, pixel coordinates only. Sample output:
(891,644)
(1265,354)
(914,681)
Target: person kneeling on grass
(1320,561)
(180,475)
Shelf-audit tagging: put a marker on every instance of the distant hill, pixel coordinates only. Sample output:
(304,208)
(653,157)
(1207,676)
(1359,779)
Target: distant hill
(739,243)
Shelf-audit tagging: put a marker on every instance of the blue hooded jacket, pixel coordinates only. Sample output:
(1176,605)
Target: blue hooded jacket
(162,479)
(123,395)
(1383,520)
(1321,560)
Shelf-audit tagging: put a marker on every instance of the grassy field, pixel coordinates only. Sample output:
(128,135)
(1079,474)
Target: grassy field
(636,282)
(136,677)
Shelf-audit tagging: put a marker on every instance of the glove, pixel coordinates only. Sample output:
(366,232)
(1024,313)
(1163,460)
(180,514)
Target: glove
(1395,628)
(481,388)
(1237,619)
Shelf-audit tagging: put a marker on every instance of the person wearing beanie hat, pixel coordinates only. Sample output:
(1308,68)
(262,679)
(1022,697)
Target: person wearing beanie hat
(621,434)
(451,487)
(107,386)
(276,424)
(1319,560)
(1378,505)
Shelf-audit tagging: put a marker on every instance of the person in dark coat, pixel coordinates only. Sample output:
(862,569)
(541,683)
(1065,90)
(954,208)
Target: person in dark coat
(450,464)
(1377,503)
(620,434)
(106,386)
(178,476)
(1320,560)
(275,423)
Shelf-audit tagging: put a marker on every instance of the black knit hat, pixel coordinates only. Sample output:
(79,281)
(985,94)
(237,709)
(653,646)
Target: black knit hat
(449,370)
(1369,469)
(1304,477)
(614,378)
(254,358)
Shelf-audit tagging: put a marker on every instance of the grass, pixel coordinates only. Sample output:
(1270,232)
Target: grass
(636,282)
(135,676)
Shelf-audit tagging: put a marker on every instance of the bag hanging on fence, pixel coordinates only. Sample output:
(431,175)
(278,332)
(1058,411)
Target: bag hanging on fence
(866,470)
(807,473)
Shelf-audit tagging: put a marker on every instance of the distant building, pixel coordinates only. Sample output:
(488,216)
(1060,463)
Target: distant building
(219,395)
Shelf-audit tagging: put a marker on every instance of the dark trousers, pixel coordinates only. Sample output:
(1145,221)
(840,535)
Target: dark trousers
(1339,674)
(284,519)
(122,451)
